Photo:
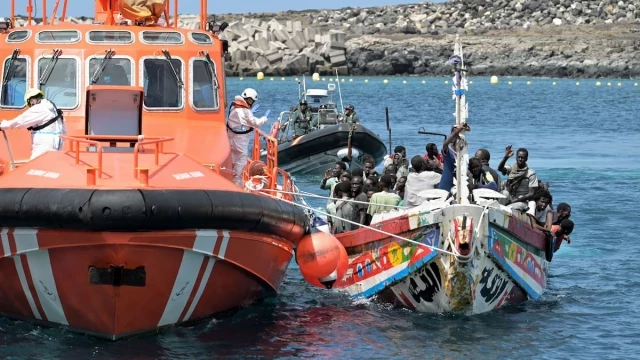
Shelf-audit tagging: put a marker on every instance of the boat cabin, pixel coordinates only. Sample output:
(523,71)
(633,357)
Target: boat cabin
(120,77)
(324,112)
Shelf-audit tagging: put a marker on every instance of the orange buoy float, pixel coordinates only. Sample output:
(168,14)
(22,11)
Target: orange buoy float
(318,254)
(337,275)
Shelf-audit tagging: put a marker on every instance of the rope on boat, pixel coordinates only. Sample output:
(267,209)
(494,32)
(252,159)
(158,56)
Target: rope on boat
(371,228)
(306,194)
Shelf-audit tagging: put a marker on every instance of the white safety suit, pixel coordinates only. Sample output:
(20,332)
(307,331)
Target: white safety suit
(241,119)
(43,140)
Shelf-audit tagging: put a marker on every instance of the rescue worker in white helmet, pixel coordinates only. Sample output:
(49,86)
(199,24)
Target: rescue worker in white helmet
(43,119)
(240,126)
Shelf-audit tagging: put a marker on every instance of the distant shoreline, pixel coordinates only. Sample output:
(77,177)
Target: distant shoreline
(534,38)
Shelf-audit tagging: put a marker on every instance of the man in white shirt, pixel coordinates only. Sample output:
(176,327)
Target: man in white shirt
(422,179)
(44,121)
(240,125)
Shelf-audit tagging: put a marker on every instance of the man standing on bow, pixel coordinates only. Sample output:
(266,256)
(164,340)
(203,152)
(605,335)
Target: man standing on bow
(239,126)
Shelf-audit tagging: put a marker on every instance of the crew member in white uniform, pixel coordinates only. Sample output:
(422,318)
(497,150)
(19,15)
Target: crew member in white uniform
(44,121)
(239,127)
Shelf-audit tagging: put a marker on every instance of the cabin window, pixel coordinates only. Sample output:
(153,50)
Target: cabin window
(110,37)
(117,72)
(18,36)
(14,82)
(61,87)
(203,90)
(161,88)
(162,37)
(58,37)
(200,38)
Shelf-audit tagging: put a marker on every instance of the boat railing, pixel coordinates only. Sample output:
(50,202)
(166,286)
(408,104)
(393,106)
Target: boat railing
(270,172)
(98,140)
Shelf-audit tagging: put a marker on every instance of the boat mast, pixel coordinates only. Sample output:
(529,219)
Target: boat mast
(461,114)
(339,90)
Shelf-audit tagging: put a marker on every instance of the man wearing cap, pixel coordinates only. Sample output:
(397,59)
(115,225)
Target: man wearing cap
(303,120)
(239,127)
(350,116)
(43,119)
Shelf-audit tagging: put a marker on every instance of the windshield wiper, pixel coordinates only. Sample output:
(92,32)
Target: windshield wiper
(211,70)
(49,69)
(96,74)
(166,54)
(8,72)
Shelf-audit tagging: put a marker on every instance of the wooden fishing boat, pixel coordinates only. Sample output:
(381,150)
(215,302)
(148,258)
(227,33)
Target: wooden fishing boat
(446,256)
(136,224)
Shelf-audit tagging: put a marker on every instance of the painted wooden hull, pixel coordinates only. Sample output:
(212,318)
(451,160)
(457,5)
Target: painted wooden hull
(506,262)
(189,276)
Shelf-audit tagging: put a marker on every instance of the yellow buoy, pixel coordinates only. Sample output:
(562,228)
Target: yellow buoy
(404,81)
(598,83)
(282,79)
(494,80)
(619,84)
(260,76)
(424,81)
(636,84)
(578,83)
(471,82)
(385,81)
(341,80)
(509,83)
(330,79)
(350,80)
(323,79)
(315,77)
(528,82)
(608,84)
(297,79)
(271,79)
(553,83)
(446,82)
(241,78)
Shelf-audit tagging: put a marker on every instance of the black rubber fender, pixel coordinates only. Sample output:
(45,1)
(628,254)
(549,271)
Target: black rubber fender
(148,210)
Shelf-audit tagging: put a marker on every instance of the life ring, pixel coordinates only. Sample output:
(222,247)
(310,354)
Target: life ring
(275,129)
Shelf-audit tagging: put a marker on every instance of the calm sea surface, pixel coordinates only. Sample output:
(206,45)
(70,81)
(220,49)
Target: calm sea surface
(583,139)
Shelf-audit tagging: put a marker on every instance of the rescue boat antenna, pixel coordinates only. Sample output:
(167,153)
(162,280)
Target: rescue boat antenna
(55,12)
(339,90)
(13,11)
(175,14)
(304,86)
(459,89)
(44,12)
(64,11)
(29,11)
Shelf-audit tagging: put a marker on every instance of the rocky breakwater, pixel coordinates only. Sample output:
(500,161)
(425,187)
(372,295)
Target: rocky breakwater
(283,48)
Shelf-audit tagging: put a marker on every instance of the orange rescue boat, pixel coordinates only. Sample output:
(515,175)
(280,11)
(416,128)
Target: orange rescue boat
(135,225)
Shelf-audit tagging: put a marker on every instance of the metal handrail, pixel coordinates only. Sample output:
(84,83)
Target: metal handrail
(159,148)
(78,140)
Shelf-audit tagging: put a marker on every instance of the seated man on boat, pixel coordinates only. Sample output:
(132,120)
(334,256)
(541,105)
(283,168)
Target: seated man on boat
(350,116)
(239,126)
(540,212)
(384,200)
(362,201)
(521,185)
(332,176)
(422,179)
(480,179)
(303,121)
(484,156)
(433,155)
(43,119)
(344,208)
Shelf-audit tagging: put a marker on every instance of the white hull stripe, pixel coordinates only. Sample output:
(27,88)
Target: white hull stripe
(223,246)
(203,285)
(182,287)
(41,274)
(205,241)
(25,288)
(5,242)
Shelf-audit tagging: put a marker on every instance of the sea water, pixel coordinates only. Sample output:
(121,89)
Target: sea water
(582,139)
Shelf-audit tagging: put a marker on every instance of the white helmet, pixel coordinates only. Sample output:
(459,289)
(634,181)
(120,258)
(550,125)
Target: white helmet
(250,93)
(31,93)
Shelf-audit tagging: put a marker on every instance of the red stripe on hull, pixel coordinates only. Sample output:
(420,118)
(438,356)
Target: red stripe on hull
(12,296)
(196,286)
(12,242)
